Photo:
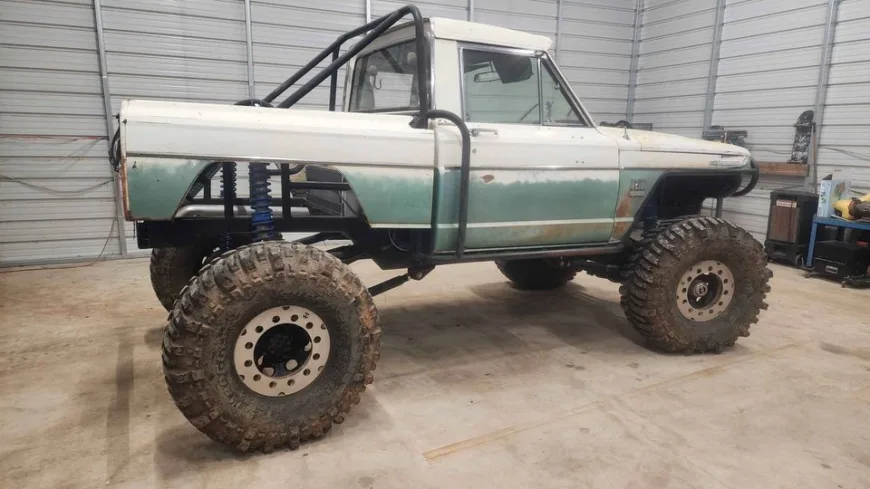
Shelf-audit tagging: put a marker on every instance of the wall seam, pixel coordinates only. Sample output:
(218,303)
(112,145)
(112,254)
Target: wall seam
(822,87)
(713,74)
(635,55)
(110,126)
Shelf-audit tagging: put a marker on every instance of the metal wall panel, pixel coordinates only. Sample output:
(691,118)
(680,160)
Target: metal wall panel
(56,198)
(286,35)
(674,64)
(595,54)
(57,202)
(768,72)
(844,149)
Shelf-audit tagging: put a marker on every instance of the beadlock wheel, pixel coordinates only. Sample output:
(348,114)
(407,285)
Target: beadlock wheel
(695,285)
(705,290)
(245,343)
(281,351)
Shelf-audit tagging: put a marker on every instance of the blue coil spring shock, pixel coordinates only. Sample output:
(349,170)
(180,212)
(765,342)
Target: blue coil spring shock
(262,225)
(228,187)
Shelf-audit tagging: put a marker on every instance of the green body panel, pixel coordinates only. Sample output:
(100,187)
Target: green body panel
(156,187)
(631,200)
(400,196)
(538,210)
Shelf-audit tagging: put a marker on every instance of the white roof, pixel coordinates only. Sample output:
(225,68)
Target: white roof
(459,30)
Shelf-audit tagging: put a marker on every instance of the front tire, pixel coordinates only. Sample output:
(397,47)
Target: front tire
(535,274)
(697,286)
(224,315)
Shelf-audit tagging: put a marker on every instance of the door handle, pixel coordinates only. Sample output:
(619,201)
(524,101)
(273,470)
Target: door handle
(477,131)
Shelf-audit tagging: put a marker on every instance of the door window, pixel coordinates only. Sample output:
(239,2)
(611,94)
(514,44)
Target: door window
(500,87)
(557,109)
(514,89)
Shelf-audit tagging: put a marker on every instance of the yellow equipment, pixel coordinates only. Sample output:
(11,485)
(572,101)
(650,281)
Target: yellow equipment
(854,208)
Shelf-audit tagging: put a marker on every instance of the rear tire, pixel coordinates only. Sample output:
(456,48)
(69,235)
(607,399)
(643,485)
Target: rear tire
(535,274)
(656,295)
(224,306)
(172,269)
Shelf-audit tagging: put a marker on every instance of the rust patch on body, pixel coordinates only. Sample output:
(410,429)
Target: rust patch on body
(624,208)
(487,178)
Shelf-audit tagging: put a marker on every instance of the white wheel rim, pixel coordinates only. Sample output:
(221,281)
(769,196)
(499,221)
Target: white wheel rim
(294,337)
(705,290)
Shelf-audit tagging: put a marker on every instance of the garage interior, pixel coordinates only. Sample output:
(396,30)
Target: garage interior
(479,384)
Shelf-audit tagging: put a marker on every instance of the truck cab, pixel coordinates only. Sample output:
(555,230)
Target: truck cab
(534,148)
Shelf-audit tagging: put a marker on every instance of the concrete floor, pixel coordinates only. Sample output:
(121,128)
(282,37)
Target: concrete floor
(479,385)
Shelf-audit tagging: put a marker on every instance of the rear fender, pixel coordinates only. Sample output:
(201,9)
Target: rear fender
(390,197)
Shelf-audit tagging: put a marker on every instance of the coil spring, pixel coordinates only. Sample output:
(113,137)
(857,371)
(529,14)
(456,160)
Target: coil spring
(228,183)
(261,218)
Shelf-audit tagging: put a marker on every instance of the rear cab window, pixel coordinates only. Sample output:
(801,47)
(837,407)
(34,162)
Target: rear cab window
(386,80)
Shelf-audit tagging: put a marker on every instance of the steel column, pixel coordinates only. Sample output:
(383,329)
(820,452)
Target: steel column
(471,10)
(368,11)
(635,54)
(249,41)
(713,74)
(559,6)
(822,88)
(110,126)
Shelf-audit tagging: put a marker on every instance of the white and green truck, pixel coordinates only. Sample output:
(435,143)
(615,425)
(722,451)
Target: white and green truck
(453,142)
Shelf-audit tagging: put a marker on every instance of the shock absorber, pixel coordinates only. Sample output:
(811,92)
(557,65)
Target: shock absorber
(228,188)
(262,225)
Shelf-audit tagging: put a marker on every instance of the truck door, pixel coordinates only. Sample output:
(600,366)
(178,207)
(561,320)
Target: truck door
(541,175)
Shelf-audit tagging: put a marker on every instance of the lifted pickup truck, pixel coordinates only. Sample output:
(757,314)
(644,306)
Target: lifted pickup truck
(457,142)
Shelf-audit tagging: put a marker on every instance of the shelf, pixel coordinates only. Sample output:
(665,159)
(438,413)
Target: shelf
(782,169)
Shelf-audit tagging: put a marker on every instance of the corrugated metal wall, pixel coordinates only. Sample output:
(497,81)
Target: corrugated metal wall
(190,51)
(768,73)
(595,53)
(56,192)
(844,146)
(56,196)
(674,64)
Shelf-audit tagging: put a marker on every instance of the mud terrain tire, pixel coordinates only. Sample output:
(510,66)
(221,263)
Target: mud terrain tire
(214,309)
(172,269)
(535,274)
(650,293)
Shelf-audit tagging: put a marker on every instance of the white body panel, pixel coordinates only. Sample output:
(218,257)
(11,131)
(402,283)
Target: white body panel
(236,133)
(459,30)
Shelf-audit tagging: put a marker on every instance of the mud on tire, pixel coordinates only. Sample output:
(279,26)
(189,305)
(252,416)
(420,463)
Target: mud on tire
(219,302)
(650,293)
(172,268)
(535,274)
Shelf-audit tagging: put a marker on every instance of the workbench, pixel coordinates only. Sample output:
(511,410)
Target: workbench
(831,221)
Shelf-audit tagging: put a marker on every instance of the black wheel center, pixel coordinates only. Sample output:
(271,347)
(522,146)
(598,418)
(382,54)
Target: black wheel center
(704,290)
(282,350)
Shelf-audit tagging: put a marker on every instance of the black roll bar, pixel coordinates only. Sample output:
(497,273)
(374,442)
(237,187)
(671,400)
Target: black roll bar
(464,177)
(373,29)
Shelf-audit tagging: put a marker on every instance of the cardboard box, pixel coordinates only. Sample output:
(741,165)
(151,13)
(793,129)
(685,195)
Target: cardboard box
(830,191)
